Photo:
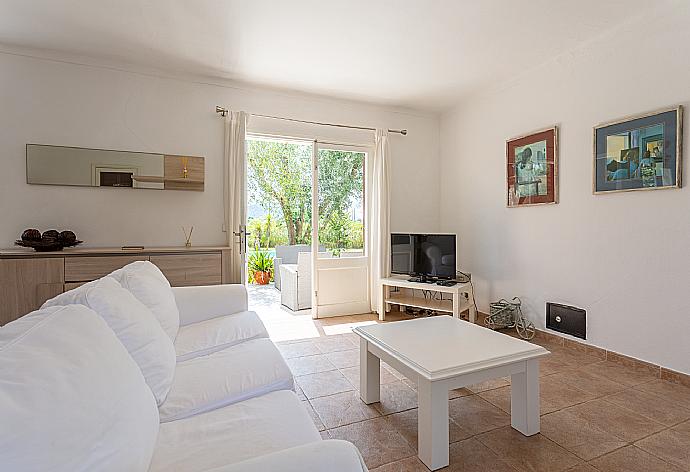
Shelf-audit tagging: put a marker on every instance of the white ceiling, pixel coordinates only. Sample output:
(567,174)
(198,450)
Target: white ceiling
(424,54)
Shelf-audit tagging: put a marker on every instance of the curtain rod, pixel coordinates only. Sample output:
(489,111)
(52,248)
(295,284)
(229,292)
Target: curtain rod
(224,112)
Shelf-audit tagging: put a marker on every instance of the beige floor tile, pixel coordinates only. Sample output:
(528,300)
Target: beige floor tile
(323,383)
(550,365)
(578,436)
(590,383)
(333,343)
(625,424)
(309,364)
(671,445)
(377,440)
(411,464)
(583,468)
(651,406)
(672,392)
(534,454)
(352,337)
(582,358)
(630,402)
(472,456)
(456,393)
(299,392)
(315,418)
(325,435)
(344,359)
(390,369)
(499,397)
(352,374)
(476,415)
(405,423)
(626,375)
(459,392)
(343,408)
(298,349)
(489,384)
(333,320)
(395,397)
(632,459)
(556,394)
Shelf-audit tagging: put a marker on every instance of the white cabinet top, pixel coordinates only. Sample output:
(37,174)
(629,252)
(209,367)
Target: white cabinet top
(442,346)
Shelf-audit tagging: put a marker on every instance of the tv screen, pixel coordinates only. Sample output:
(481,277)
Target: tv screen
(429,255)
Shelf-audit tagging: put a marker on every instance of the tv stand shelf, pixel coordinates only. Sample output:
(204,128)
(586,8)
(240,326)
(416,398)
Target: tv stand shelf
(462,297)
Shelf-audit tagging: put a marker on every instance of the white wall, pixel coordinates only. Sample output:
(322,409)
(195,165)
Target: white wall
(623,257)
(50,102)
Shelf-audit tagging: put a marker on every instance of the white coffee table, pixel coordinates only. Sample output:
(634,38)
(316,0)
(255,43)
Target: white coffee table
(443,353)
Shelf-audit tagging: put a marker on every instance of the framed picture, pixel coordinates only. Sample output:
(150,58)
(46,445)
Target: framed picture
(532,168)
(642,152)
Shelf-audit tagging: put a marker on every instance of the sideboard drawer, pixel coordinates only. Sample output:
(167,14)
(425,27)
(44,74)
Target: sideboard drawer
(87,268)
(190,269)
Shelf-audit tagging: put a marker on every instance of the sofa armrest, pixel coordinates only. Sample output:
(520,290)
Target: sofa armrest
(202,303)
(331,455)
(288,290)
(276,271)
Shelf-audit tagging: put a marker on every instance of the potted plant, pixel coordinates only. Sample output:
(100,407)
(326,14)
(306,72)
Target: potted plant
(260,266)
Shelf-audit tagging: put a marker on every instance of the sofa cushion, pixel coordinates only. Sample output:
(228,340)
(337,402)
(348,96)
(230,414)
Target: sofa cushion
(148,284)
(71,397)
(332,455)
(229,376)
(206,337)
(134,325)
(258,426)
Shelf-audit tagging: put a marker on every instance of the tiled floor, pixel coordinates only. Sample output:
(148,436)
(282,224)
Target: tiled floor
(597,415)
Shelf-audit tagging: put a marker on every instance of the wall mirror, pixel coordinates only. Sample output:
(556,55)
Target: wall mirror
(63,165)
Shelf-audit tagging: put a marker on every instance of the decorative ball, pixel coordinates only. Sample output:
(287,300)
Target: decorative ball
(31,235)
(67,237)
(50,235)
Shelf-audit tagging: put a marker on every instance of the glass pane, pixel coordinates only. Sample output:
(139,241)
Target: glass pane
(341,202)
(278,204)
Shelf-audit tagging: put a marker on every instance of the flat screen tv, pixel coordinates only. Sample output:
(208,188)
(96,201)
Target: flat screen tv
(427,256)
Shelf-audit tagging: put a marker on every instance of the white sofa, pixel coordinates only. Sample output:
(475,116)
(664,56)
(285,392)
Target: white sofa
(128,374)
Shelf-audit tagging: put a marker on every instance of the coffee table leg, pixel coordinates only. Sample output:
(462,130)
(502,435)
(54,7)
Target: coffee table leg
(369,374)
(432,427)
(524,399)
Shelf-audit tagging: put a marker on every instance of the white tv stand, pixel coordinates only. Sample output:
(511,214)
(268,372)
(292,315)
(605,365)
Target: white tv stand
(462,297)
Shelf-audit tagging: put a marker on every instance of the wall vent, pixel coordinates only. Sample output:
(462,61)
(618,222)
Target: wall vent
(566,319)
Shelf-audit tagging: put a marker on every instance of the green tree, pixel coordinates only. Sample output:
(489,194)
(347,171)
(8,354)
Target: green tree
(279,176)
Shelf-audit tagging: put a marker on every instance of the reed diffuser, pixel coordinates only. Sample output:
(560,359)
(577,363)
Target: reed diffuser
(188,237)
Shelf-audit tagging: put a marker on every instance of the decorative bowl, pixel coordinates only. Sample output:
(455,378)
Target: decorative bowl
(46,246)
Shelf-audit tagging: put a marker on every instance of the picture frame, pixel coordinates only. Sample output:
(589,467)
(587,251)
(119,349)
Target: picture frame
(532,168)
(639,152)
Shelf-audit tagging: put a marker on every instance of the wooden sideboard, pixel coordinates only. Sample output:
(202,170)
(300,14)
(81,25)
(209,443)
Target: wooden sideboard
(29,278)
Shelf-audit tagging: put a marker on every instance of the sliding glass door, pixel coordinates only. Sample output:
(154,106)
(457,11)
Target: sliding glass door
(306,227)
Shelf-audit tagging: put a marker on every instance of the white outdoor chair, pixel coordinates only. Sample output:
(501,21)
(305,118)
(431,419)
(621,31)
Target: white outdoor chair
(296,282)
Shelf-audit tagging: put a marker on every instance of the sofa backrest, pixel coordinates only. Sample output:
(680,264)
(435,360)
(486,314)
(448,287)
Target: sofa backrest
(71,397)
(148,284)
(133,324)
(288,254)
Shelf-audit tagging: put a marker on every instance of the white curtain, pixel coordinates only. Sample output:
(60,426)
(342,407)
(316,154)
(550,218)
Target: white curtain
(235,189)
(379,218)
